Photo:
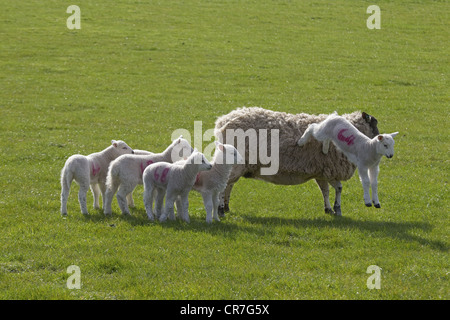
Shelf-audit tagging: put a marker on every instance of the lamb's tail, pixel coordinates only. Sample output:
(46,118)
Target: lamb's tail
(112,178)
(67,177)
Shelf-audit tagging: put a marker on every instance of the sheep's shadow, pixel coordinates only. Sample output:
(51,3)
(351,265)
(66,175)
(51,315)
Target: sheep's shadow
(394,230)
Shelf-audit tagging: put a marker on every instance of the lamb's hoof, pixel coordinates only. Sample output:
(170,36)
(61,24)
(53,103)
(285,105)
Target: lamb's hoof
(377,205)
(329,211)
(368,204)
(337,210)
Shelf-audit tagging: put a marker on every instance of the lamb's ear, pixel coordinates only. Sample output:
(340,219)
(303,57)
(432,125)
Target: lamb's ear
(380,137)
(366,117)
(219,145)
(114,143)
(178,140)
(394,134)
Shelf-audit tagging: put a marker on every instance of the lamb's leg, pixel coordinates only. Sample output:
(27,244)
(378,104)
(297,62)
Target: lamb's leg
(208,203)
(96,192)
(103,191)
(65,190)
(307,135)
(337,185)
(365,181)
(130,200)
(215,202)
(109,193)
(122,197)
(185,206)
(168,208)
(160,193)
(82,195)
(323,185)
(224,200)
(148,201)
(325,146)
(373,176)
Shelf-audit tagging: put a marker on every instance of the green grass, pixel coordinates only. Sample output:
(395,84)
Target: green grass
(138,70)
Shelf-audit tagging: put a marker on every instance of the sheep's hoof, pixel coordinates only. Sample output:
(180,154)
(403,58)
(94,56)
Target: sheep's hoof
(329,211)
(377,205)
(221,211)
(337,210)
(368,204)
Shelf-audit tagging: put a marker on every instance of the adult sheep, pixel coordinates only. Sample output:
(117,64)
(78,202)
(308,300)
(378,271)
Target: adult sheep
(296,165)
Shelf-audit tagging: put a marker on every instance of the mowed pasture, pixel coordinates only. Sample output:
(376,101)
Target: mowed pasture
(138,70)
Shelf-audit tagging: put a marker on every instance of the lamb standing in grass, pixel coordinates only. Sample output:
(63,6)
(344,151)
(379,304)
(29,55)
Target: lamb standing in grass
(296,165)
(90,171)
(126,172)
(173,180)
(365,153)
(211,183)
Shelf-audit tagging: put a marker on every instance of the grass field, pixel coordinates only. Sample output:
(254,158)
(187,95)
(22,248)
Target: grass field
(138,70)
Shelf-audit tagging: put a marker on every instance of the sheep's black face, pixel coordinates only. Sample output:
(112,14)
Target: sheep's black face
(373,122)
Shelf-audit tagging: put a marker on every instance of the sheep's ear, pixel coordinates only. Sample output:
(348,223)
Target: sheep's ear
(114,143)
(380,137)
(394,134)
(366,117)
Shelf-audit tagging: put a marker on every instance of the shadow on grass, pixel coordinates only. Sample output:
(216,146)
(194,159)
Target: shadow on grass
(261,226)
(394,230)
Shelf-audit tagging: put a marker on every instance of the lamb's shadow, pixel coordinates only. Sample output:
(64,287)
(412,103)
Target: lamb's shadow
(261,226)
(394,230)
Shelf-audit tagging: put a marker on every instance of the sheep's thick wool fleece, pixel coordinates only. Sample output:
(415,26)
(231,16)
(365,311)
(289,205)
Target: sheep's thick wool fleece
(308,160)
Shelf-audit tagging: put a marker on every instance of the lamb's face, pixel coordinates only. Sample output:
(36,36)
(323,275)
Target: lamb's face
(385,144)
(121,147)
(181,149)
(230,155)
(199,159)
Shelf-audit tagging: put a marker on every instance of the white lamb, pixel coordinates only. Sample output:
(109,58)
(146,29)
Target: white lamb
(125,173)
(211,183)
(90,171)
(173,180)
(130,199)
(365,153)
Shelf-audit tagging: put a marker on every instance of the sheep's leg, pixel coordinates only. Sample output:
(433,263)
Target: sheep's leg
(215,200)
(323,185)
(96,192)
(148,201)
(373,176)
(365,181)
(337,185)
(208,203)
